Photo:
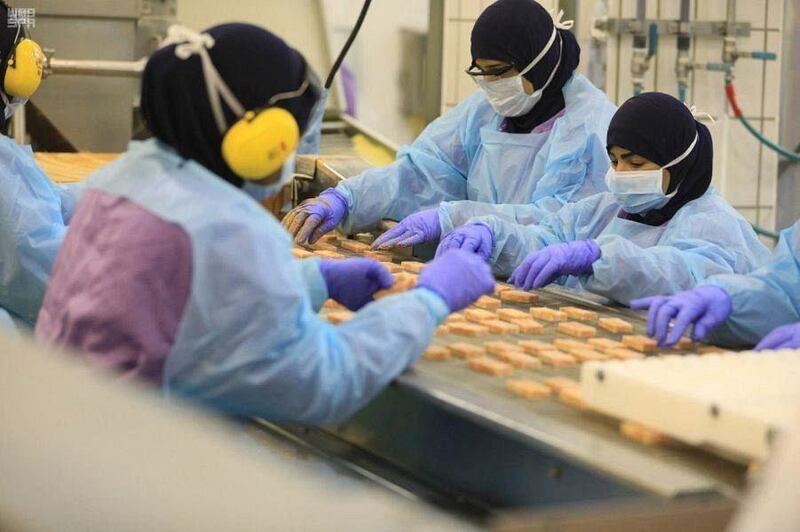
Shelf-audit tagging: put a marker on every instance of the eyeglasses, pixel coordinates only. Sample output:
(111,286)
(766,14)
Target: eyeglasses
(495,71)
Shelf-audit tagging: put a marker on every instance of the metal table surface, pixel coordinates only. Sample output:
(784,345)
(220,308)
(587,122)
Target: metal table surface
(464,432)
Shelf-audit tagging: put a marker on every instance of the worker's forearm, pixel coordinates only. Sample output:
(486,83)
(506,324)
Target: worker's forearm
(395,191)
(512,243)
(315,282)
(626,271)
(454,214)
(759,305)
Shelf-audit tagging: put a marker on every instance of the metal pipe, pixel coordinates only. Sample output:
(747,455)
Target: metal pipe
(639,57)
(730,12)
(729,53)
(128,69)
(639,38)
(20,129)
(683,64)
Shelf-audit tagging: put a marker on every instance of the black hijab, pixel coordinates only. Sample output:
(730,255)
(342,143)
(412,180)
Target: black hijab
(254,63)
(516,31)
(660,128)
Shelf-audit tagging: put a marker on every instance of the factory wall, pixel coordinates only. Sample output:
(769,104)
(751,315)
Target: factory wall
(745,171)
(376,60)
(299,22)
(319,28)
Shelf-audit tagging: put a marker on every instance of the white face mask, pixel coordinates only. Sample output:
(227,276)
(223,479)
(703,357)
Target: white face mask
(639,191)
(507,95)
(262,192)
(13,105)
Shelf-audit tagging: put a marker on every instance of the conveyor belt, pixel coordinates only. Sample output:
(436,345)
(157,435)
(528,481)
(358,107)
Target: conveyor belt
(72,167)
(446,424)
(544,430)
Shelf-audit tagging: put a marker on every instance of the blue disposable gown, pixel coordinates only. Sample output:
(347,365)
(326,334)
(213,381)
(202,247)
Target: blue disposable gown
(309,142)
(466,166)
(33,218)
(250,341)
(705,237)
(764,299)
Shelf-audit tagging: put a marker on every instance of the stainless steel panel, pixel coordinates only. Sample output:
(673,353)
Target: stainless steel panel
(464,432)
(119,9)
(96,113)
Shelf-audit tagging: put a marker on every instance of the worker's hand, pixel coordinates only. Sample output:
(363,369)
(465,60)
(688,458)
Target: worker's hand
(542,267)
(314,217)
(474,237)
(459,277)
(785,337)
(414,229)
(704,307)
(352,282)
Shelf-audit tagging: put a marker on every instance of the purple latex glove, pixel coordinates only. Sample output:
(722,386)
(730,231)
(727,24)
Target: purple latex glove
(785,337)
(542,267)
(422,226)
(475,237)
(316,216)
(352,282)
(459,277)
(705,307)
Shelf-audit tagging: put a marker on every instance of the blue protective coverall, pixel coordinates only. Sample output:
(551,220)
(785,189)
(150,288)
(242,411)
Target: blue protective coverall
(250,341)
(764,299)
(34,214)
(705,237)
(464,164)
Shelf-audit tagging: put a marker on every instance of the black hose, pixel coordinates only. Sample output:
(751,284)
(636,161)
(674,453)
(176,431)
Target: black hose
(346,47)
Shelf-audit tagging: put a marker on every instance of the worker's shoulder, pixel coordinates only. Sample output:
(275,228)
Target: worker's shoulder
(711,205)
(474,107)
(579,92)
(712,218)
(238,212)
(587,109)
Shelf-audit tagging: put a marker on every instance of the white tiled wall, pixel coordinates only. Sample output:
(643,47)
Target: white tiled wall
(744,170)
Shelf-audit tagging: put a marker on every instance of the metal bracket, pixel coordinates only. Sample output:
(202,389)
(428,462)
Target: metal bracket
(700,28)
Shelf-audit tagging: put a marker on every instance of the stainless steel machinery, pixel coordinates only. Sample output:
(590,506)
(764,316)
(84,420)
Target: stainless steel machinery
(99,40)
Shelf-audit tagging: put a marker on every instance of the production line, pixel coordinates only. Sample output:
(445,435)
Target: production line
(532,301)
(454,404)
(445,414)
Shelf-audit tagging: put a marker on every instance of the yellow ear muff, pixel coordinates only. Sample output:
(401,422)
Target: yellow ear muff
(24,70)
(256,146)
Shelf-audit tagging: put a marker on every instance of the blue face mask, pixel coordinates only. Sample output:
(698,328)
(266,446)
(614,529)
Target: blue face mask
(641,191)
(262,192)
(638,191)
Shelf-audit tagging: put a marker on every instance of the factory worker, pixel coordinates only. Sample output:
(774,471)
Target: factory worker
(529,141)
(762,307)
(33,212)
(661,228)
(172,272)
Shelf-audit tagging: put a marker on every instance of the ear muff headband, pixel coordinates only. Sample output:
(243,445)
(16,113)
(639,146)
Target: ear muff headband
(23,67)
(261,141)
